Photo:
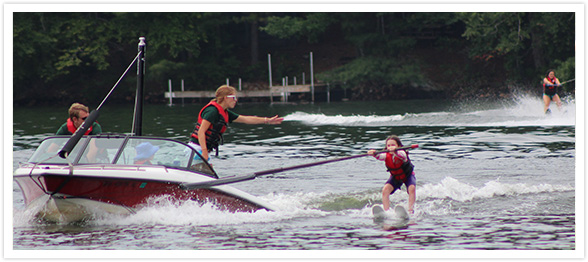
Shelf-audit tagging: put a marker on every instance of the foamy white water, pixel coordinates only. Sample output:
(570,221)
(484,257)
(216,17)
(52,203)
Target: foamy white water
(522,111)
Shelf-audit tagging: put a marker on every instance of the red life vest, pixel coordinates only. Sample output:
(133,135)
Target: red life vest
(214,134)
(553,81)
(398,169)
(72,129)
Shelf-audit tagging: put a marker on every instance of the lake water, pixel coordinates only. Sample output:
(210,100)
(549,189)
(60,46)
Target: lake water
(490,176)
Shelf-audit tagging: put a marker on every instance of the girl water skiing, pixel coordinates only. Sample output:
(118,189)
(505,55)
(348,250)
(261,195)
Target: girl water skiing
(550,85)
(401,172)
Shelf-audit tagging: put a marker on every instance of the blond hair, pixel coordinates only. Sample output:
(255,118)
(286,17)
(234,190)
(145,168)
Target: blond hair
(75,108)
(222,92)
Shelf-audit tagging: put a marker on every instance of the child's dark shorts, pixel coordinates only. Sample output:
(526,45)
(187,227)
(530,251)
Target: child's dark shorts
(398,183)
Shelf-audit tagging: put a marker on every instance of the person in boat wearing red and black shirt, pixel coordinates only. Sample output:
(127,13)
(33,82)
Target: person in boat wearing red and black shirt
(215,117)
(401,172)
(550,85)
(77,115)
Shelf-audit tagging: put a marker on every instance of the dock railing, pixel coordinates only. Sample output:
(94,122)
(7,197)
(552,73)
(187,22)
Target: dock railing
(280,91)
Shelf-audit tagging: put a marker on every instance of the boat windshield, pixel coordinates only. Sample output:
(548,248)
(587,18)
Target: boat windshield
(162,152)
(47,151)
(123,150)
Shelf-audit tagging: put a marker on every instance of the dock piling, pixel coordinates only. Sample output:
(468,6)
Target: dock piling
(183,91)
(311,79)
(171,94)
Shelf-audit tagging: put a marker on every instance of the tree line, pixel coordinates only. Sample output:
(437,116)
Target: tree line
(62,57)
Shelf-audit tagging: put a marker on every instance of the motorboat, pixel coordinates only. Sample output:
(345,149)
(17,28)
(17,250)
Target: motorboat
(103,175)
(77,178)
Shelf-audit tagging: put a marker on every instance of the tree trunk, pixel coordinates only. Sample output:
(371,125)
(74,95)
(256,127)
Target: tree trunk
(254,43)
(537,41)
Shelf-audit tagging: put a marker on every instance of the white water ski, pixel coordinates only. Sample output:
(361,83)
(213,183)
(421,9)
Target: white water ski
(399,212)
(391,220)
(379,212)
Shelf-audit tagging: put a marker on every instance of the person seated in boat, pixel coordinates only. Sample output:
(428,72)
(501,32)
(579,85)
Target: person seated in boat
(77,115)
(550,85)
(401,172)
(214,119)
(145,153)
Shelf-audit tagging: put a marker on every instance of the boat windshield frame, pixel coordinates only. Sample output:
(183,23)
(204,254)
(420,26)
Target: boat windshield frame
(120,149)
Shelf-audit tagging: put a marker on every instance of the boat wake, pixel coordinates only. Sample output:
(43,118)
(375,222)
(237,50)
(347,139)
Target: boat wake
(163,211)
(340,120)
(434,199)
(453,189)
(521,111)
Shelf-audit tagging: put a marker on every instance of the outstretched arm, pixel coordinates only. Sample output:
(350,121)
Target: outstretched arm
(275,120)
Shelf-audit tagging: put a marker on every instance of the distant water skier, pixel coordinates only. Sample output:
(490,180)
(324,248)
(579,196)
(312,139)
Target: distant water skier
(550,85)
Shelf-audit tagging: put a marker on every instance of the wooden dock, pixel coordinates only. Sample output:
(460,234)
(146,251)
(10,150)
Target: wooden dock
(280,91)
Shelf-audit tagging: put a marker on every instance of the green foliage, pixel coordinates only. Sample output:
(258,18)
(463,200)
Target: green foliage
(311,26)
(51,46)
(164,69)
(374,71)
(29,42)
(381,60)
(565,70)
(501,32)
(68,56)
(524,40)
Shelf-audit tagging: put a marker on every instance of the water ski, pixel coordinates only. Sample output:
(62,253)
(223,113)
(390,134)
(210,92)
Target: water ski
(391,221)
(399,211)
(379,212)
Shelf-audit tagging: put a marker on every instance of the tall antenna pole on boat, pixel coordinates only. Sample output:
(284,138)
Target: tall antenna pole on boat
(77,135)
(138,117)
